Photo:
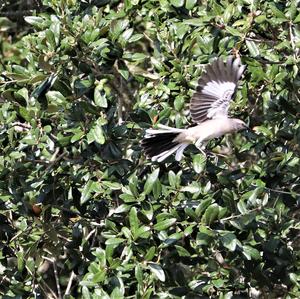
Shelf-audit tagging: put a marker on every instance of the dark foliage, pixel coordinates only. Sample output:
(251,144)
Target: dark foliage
(84,214)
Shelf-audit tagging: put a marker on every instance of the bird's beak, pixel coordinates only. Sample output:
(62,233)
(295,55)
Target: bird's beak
(251,132)
(247,128)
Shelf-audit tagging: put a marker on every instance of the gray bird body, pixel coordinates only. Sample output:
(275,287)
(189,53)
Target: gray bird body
(209,109)
(209,129)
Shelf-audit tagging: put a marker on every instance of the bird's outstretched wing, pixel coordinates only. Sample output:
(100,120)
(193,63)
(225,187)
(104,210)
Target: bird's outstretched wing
(215,89)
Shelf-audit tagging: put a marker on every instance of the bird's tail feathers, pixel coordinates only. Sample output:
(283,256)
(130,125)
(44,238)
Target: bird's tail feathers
(162,130)
(161,143)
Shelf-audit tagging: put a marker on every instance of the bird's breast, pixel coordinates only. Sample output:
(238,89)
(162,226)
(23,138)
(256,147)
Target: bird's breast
(210,129)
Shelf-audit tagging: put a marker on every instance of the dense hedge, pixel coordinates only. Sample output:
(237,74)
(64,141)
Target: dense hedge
(85,214)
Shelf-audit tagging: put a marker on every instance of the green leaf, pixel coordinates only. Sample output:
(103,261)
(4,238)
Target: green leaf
(242,207)
(177,3)
(253,49)
(96,133)
(111,185)
(261,19)
(204,204)
(172,179)
(182,251)
(101,257)
(99,96)
(229,12)
(138,273)
(156,190)
(233,31)
(135,38)
(127,34)
(35,21)
(194,22)
(219,283)
(142,232)
(164,224)
(157,270)
(78,134)
(150,181)
(251,253)
(55,97)
(20,261)
(82,86)
(229,240)
(23,92)
(191,188)
(150,253)
(294,278)
(189,4)
(50,39)
(139,57)
(88,189)
(277,13)
(25,113)
(297,19)
(85,293)
(123,69)
(199,162)
(179,103)
(205,236)
(114,241)
(211,214)
(134,222)
(6,24)
(55,28)
(118,27)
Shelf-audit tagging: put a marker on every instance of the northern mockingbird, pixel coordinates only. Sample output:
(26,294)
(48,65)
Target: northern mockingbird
(209,109)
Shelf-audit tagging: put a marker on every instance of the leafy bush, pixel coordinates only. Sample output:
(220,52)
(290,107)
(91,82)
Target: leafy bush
(85,214)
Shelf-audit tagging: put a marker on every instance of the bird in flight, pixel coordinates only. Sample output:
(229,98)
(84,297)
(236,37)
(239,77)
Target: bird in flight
(209,110)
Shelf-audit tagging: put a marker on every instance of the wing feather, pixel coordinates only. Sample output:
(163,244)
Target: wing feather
(215,89)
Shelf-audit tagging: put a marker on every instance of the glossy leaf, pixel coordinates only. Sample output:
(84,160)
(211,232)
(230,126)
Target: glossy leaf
(150,181)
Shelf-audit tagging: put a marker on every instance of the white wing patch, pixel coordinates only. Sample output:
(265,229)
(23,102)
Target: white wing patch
(215,89)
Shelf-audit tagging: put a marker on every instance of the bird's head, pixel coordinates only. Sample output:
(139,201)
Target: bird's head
(240,125)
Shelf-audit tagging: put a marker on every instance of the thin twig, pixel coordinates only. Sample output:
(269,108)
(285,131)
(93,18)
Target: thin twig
(257,40)
(54,161)
(18,13)
(16,236)
(120,109)
(44,285)
(292,40)
(64,238)
(56,279)
(23,125)
(240,215)
(90,234)
(282,192)
(68,289)
(53,261)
